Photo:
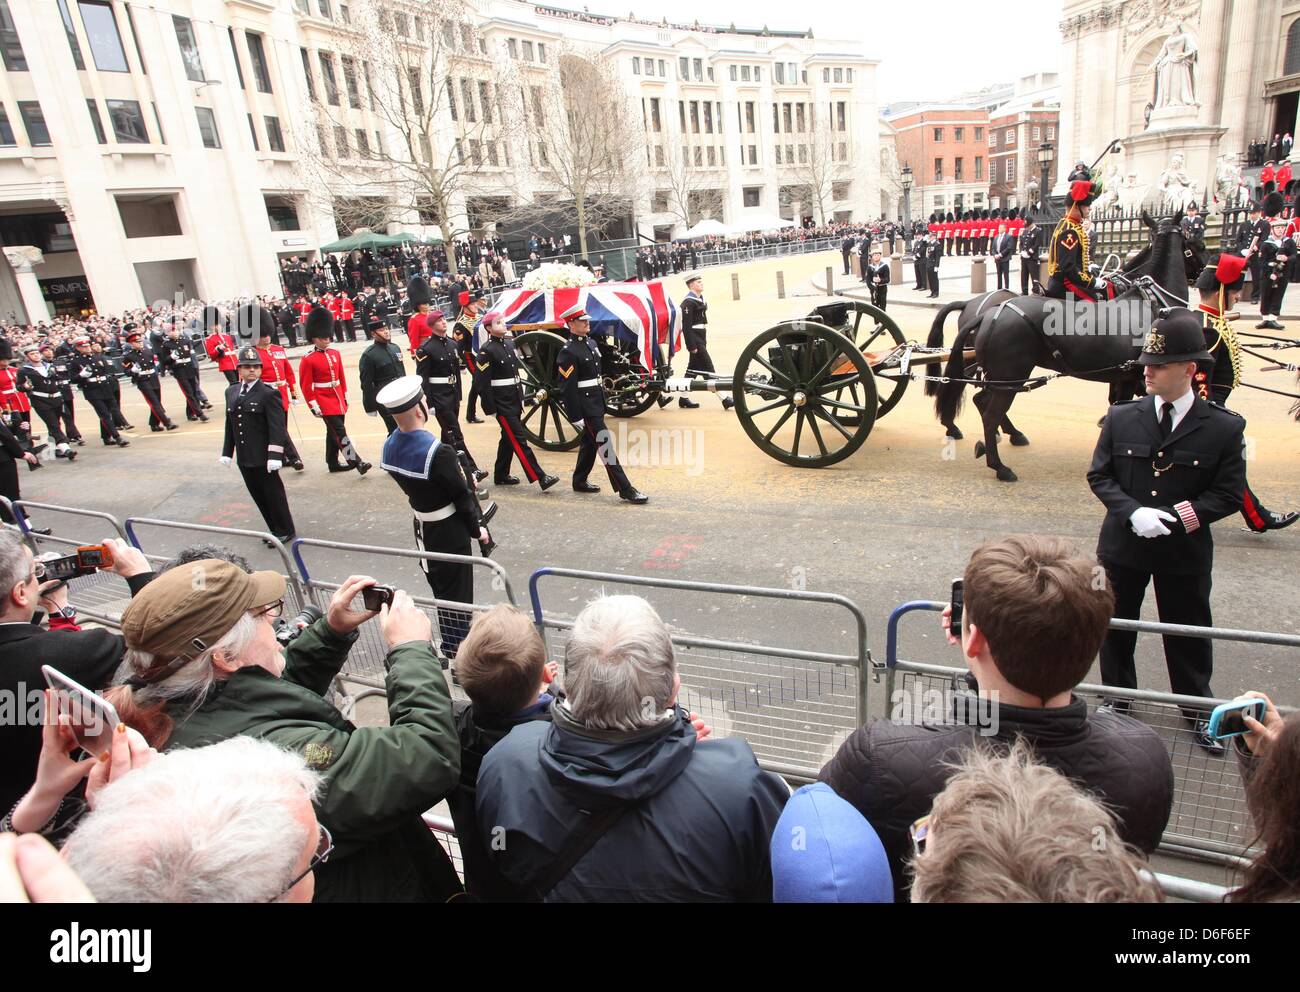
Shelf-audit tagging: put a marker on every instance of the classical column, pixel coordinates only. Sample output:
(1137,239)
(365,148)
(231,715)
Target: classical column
(24,258)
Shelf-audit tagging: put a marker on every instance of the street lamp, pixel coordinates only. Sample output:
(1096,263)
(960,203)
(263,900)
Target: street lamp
(1046,155)
(907,196)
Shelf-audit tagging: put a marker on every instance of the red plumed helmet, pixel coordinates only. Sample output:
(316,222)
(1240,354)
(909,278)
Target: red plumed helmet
(463,299)
(1229,268)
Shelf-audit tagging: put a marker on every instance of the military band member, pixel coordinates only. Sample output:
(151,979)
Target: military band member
(1166,467)
(502,398)
(380,364)
(40,383)
(325,388)
(876,275)
(277,370)
(1068,260)
(139,363)
(1218,285)
(177,357)
(471,304)
(63,376)
(1031,249)
(446,513)
(92,373)
(695,335)
(578,365)
(1276,258)
(256,433)
(441,373)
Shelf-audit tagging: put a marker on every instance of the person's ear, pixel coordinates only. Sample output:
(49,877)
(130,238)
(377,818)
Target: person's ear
(976,642)
(221,662)
(677,686)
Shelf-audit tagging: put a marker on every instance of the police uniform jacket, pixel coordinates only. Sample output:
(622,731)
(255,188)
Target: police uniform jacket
(178,358)
(94,374)
(140,365)
(498,365)
(1194,229)
(1198,468)
(579,367)
(255,425)
(440,366)
(379,365)
(933,252)
(695,322)
(1031,244)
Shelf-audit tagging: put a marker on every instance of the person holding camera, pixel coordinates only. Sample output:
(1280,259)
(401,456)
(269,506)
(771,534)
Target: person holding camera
(202,665)
(256,439)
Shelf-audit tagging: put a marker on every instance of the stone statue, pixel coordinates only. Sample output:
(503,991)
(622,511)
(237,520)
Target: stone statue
(1109,197)
(1230,188)
(1175,186)
(1174,65)
(1132,193)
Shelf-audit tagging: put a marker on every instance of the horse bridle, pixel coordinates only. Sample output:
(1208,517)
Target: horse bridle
(1157,294)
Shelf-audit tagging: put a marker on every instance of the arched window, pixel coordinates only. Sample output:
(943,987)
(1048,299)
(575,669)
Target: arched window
(1291,63)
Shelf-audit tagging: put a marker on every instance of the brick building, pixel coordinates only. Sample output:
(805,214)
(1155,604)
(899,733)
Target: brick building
(946,146)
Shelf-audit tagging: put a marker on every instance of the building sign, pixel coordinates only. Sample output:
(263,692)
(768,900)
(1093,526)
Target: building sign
(74,286)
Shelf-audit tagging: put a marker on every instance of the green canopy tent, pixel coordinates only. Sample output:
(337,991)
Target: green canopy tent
(363,238)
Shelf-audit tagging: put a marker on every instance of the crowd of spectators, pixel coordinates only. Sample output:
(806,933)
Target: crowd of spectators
(232,777)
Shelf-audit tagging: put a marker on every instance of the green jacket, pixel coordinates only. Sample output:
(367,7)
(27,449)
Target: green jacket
(377,780)
(379,365)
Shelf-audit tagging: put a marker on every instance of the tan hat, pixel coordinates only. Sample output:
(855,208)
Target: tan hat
(188,609)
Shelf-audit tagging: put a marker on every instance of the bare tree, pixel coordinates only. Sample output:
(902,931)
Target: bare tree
(581,138)
(417,72)
(823,162)
(695,187)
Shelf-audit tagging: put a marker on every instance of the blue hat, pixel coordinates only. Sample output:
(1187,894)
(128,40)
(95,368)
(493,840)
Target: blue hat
(824,850)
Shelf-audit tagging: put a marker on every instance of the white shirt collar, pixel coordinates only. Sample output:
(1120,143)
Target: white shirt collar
(1181,406)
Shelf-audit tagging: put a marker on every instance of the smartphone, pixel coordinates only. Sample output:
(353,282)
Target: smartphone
(1226,720)
(93,716)
(373,597)
(954,621)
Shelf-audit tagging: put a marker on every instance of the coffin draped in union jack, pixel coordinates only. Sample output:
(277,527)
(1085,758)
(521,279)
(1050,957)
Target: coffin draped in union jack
(639,313)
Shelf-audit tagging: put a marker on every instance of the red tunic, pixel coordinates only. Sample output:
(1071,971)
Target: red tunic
(417,331)
(227,357)
(320,374)
(303,308)
(346,309)
(332,305)
(277,372)
(12,398)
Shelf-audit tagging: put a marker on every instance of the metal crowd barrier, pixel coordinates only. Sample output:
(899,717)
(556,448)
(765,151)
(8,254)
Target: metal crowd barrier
(794,706)
(365,664)
(101,596)
(1209,820)
(445,831)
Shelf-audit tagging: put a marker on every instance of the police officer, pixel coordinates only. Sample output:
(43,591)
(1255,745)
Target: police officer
(379,365)
(63,376)
(138,362)
(499,369)
(255,439)
(92,373)
(257,323)
(177,358)
(446,513)
(919,263)
(578,365)
(1218,286)
(1166,467)
(933,253)
(876,275)
(1193,226)
(440,362)
(695,331)
(1031,250)
(38,380)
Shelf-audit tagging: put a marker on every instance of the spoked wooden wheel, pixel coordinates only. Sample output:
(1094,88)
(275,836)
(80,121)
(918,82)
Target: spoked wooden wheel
(805,394)
(543,418)
(876,333)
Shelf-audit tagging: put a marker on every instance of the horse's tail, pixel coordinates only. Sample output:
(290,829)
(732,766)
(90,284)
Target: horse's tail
(935,340)
(951,396)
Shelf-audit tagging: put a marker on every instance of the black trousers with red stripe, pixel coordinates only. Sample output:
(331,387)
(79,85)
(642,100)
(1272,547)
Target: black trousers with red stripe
(152,394)
(597,440)
(514,444)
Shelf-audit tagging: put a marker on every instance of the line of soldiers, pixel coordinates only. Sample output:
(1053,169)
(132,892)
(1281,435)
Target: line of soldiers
(653,263)
(1003,235)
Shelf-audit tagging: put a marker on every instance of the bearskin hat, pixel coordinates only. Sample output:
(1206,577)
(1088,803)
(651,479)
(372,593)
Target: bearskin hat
(1228,271)
(253,322)
(319,324)
(949,218)
(933,219)
(211,317)
(1273,203)
(6,348)
(417,291)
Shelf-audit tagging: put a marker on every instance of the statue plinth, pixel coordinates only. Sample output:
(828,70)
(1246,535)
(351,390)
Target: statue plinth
(1148,154)
(1183,116)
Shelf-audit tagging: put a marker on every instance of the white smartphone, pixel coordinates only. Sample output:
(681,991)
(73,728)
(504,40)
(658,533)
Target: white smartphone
(93,717)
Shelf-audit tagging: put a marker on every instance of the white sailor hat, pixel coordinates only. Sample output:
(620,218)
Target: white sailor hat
(691,277)
(401,394)
(575,312)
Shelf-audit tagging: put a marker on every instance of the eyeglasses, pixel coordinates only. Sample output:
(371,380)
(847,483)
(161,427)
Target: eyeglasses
(919,831)
(272,611)
(324,848)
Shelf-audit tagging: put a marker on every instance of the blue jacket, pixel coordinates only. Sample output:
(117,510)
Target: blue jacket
(699,826)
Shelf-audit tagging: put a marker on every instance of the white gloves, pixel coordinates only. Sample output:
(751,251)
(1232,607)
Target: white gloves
(315,407)
(274,466)
(294,401)
(227,461)
(1146,521)
(85,373)
(1100,283)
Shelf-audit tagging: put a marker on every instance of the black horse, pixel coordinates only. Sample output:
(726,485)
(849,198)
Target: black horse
(1099,342)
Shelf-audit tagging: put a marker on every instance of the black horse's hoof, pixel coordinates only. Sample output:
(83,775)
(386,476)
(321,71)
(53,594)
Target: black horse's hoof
(1019,440)
(955,433)
(1006,475)
(979,449)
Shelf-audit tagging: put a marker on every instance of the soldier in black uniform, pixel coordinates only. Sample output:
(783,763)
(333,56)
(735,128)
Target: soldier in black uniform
(695,330)
(439,364)
(379,365)
(1249,237)
(61,364)
(471,304)
(93,374)
(1218,286)
(256,435)
(499,370)
(1031,250)
(933,252)
(37,378)
(139,363)
(1277,255)
(177,358)
(447,516)
(846,247)
(578,365)
(1166,467)
(876,276)
(919,263)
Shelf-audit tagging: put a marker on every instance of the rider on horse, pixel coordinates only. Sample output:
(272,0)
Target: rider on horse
(1067,259)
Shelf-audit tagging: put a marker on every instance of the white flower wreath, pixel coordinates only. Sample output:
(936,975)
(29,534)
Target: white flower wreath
(553,275)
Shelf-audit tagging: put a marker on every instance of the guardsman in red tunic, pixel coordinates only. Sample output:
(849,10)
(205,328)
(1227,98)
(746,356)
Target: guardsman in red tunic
(331,303)
(325,388)
(277,372)
(221,349)
(17,407)
(347,310)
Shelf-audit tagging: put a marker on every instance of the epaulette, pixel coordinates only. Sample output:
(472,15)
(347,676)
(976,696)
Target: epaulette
(1138,399)
(1223,409)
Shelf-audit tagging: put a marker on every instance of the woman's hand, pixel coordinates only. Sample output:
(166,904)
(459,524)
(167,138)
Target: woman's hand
(57,771)
(128,752)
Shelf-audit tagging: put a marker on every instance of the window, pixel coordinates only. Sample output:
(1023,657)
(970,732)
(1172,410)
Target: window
(528,51)
(451,101)
(1051,134)
(467,36)
(753,196)
(512,47)
(778,154)
(101,32)
(1011,170)
(401,25)
(717,115)
(426,149)
(282,212)
(744,73)
(843,150)
(789,154)
(1038,133)
(938,134)
(659,201)
(779,72)
(419,28)
(148,215)
(252,129)
(207,126)
(749,116)
(636,65)
(95,121)
(467,100)
(541,55)
(659,156)
(341,142)
(327,74)
(663,70)
(363,143)
(840,191)
(958,134)
(799,118)
(993,171)
(541,155)
(325,11)
(803,154)
(848,75)
(475,154)
(708,117)
(698,65)
(370,86)
(417,90)
(838,75)
(379,143)
(234,54)
(492,152)
(1011,136)
(485,100)
(758,73)
(304,7)
(786,117)
(189,48)
(938,170)
(753,154)
(656,124)
(537,102)
(957,169)
(306,72)
(257,56)
(649,63)
(1291,59)
(695,117)
(993,139)
(840,123)
(979,167)
(684,68)
(68,27)
(826,75)
(7,139)
(979,198)
(731,72)
(350,81)
(979,134)
(274,136)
